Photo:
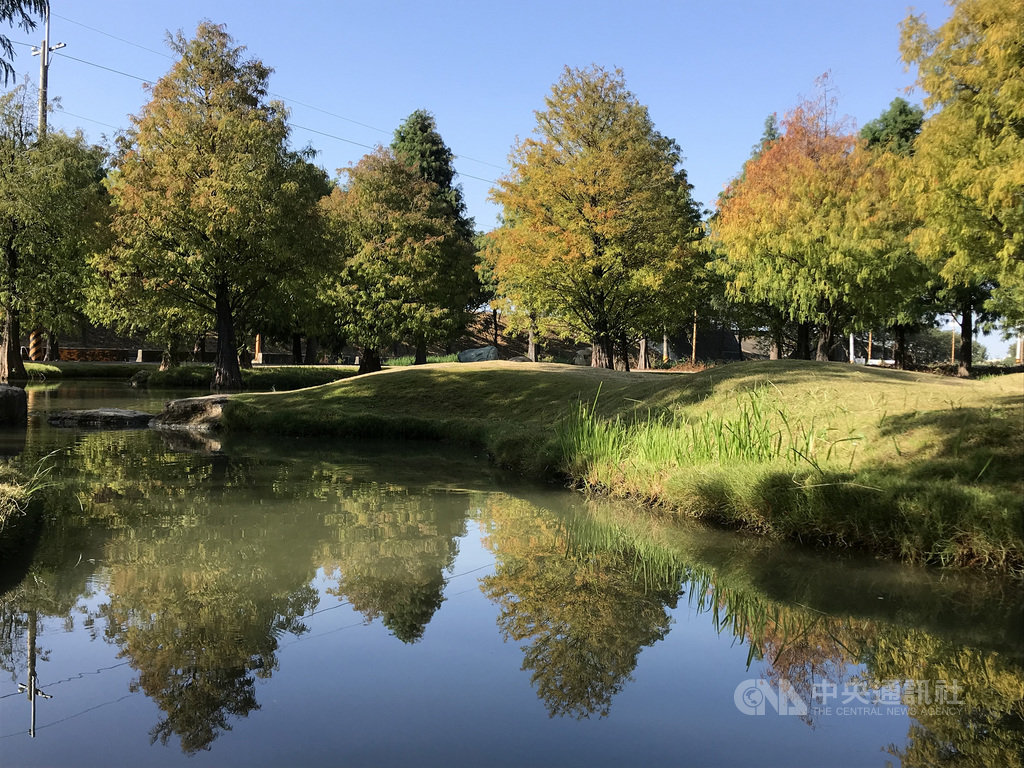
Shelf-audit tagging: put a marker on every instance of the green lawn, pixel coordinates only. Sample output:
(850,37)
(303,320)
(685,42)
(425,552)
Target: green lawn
(913,466)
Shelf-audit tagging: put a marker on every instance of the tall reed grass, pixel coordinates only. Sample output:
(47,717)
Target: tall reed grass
(409,360)
(758,430)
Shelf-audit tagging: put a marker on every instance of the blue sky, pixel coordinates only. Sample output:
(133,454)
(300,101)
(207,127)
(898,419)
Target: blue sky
(710,71)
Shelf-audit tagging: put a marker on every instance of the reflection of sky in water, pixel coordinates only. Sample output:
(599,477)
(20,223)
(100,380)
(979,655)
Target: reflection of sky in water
(350,690)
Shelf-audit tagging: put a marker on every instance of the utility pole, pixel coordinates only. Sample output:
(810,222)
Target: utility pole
(43,52)
(35,345)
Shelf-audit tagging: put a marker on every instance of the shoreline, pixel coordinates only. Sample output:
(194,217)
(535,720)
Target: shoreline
(911,467)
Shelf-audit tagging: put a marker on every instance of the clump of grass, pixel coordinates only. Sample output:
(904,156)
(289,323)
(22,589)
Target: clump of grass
(289,377)
(755,430)
(410,360)
(85,370)
(178,377)
(17,490)
(757,466)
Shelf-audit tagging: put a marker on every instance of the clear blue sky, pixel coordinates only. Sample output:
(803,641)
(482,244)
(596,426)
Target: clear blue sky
(710,72)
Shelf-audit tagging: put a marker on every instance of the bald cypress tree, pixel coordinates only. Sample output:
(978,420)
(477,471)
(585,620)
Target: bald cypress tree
(453,285)
(213,212)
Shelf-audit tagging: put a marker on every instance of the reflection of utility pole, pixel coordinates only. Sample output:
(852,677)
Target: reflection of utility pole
(30,687)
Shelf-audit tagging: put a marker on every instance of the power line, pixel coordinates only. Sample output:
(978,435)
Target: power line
(332,114)
(91,120)
(478,178)
(332,136)
(108,69)
(368,146)
(293,125)
(114,37)
(276,95)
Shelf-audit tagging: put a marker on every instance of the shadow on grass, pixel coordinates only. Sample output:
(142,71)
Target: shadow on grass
(971,445)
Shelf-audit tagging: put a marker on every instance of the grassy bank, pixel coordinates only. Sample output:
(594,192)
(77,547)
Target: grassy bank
(264,378)
(911,466)
(192,376)
(86,370)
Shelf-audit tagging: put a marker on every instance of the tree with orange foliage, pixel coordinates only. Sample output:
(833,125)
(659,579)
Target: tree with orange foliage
(810,229)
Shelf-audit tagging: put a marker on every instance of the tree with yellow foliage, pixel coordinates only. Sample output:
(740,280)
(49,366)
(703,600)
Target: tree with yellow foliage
(969,184)
(597,212)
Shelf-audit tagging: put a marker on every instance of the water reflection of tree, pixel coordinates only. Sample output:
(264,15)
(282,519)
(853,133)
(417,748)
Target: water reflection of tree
(389,553)
(576,593)
(985,728)
(584,611)
(201,580)
(199,612)
(966,703)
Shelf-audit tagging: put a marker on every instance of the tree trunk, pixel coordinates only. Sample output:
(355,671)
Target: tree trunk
(52,348)
(531,344)
(172,356)
(296,349)
(693,341)
(168,359)
(421,352)
(966,352)
(369,360)
(227,376)
(641,359)
(311,351)
(777,345)
(12,367)
(803,342)
(622,363)
(825,340)
(494,326)
(603,353)
(899,351)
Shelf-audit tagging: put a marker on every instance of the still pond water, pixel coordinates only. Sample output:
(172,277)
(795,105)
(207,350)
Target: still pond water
(292,602)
